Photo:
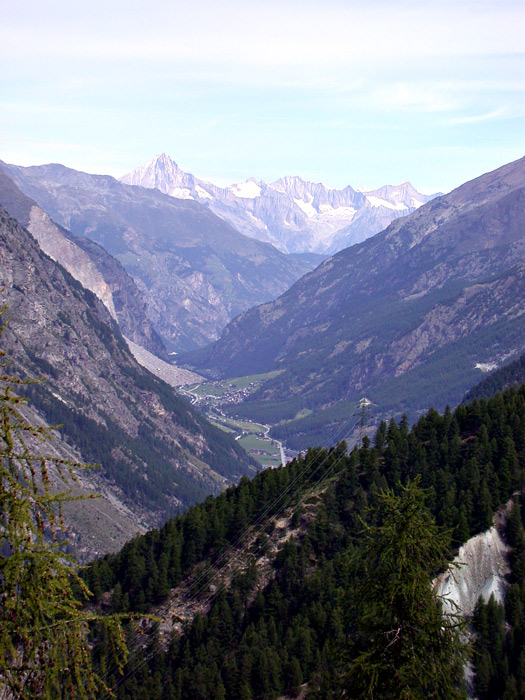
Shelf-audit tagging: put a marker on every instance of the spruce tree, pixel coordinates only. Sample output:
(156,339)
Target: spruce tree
(407,648)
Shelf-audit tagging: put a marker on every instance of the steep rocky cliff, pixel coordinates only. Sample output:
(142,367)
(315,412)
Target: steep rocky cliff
(157,454)
(88,263)
(195,270)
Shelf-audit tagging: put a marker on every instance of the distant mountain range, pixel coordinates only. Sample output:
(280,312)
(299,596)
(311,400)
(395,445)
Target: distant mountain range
(295,215)
(158,455)
(195,270)
(409,318)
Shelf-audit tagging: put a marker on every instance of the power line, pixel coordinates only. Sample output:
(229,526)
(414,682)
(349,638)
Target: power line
(223,558)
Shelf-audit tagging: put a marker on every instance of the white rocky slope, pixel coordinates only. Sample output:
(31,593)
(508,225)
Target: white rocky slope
(76,261)
(480,569)
(169,373)
(295,215)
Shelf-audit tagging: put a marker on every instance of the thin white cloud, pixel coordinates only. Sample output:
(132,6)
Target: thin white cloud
(258,35)
(500,113)
(278,85)
(424,98)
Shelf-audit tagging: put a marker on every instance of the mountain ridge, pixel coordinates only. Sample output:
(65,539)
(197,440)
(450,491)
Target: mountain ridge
(450,275)
(294,214)
(195,270)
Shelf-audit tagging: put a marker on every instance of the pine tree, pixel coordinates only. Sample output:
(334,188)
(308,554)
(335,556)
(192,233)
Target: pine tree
(44,651)
(294,677)
(406,647)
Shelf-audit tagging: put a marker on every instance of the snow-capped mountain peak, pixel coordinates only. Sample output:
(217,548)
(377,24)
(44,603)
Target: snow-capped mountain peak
(161,173)
(295,215)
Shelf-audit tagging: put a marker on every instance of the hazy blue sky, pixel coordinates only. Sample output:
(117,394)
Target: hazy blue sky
(360,93)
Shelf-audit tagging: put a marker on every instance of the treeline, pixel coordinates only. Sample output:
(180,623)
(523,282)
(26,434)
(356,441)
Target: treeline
(298,628)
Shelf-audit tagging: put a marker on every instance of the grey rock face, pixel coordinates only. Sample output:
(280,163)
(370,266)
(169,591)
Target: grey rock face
(88,263)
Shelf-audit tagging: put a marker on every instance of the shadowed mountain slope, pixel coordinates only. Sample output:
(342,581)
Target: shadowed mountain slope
(158,455)
(88,263)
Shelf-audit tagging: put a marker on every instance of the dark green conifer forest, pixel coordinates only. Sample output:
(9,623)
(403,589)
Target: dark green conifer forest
(499,658)
(303,624)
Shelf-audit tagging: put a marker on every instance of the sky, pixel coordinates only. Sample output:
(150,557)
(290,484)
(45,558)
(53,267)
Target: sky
(339,92)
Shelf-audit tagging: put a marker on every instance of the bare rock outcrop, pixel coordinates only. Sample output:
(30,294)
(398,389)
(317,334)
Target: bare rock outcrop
(480,569)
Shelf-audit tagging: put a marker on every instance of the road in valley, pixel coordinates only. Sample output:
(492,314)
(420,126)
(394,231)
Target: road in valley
(196,398)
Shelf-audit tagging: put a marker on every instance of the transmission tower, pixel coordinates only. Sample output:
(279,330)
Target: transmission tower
(363,405)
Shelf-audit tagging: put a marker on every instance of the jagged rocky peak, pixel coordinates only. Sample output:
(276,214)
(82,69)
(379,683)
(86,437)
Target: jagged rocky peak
(317,193)
(161,173)
(293,185)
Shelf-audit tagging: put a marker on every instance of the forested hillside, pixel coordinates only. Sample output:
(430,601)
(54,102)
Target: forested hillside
(264,637)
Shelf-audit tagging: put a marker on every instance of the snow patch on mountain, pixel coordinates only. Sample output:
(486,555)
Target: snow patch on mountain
(486,366)
(202,193)
(337,212)
(246,190)
(307,207)
(377,202)
(181,193)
